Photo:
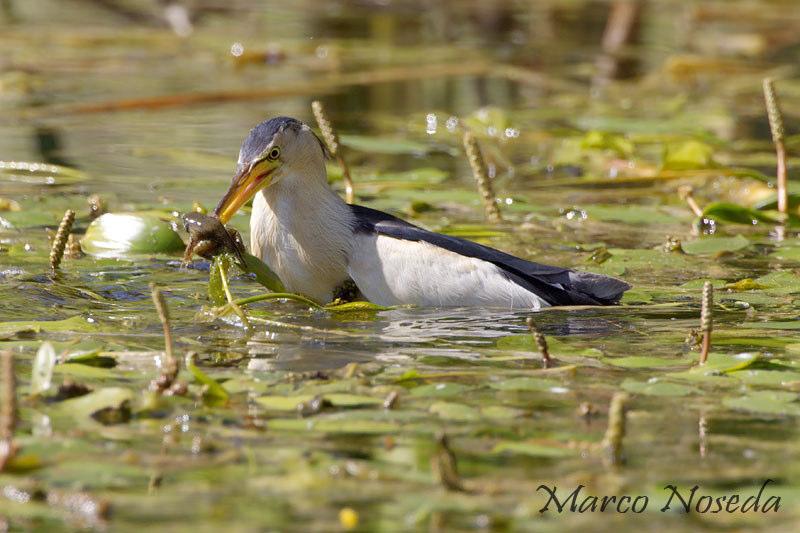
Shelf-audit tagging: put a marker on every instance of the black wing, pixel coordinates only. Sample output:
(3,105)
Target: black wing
(557,286)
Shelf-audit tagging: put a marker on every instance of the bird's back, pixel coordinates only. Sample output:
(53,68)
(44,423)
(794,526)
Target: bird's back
(551,285)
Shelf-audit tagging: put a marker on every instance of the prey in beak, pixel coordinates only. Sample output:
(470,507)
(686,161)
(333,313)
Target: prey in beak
(246,183)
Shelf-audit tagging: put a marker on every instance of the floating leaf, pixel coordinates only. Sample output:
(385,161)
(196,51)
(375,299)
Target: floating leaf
(89,405)
(42,371)
(454,411)
(533,449)
(766,402)
(524,383)
(10,330)
(656,387)
(356,307)
(601,140)
(214,393)
(737,214)
(124,234)
(644,361)
(440,389)
(556,345)
(688,155)
(290,403)
(715,245)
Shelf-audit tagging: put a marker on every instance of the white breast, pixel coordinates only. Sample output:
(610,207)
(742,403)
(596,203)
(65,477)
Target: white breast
(303,241)
(395,272)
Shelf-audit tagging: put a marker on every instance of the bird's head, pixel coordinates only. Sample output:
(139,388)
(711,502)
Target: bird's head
(275,149)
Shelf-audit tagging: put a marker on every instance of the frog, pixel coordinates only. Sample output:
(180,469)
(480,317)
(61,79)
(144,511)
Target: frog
(209,237)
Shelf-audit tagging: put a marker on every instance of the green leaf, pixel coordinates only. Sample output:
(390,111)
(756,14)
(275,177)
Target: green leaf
(557,346)
(532,449)
(688,155)
(9,330)
(656,387)
(125,234)
(766,402)
(90,404)
(214,393)
(601,140)
(441,390)
(355,307)
(290,403)
(454,411)
(644,361)
(737,214)
(715,245)
(524,383)
(219,268)
(264,275)
(42,371)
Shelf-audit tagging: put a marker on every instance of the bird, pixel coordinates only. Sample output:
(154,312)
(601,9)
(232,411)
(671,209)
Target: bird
(317,243)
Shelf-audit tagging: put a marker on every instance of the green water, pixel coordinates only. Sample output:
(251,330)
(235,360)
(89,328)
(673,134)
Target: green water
(583,164)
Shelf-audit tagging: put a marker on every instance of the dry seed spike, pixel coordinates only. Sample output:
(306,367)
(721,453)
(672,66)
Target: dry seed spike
(706,320)
(331,139)
(478,165)
(60,240)
(612,442)
(541,343)
(776,127)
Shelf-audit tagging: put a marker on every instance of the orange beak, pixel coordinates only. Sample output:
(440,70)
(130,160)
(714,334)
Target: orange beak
(244,186)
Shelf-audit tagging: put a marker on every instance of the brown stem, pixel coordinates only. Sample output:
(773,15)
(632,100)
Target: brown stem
(706,320)
(478,165)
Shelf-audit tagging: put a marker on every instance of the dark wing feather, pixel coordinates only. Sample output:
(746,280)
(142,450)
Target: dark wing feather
(557,286)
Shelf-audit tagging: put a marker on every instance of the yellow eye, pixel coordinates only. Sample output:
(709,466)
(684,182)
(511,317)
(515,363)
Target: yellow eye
(274,154)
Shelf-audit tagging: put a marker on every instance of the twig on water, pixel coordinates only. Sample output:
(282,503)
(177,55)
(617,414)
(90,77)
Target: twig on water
(478,165)
(331,139)
(706,320)
(541,343)
(612,442)
(60,240)
(776,126)
(8,408)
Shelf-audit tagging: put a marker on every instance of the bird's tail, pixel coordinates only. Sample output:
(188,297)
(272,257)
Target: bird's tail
(604,289)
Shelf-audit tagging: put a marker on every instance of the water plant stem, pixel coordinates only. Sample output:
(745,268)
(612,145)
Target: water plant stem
(163,316)
(541,343)
(8,408)
(331,139)
(231,301)
(444,464)
(706,320)
(687,194)
(612,441)
(478,165)
(775,116)
(60,240)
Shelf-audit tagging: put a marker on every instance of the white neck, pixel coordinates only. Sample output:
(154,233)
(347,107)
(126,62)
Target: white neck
(303,230)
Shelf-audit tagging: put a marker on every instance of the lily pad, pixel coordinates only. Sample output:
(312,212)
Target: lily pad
(125,234)
(656,387)
(715,245)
